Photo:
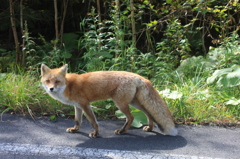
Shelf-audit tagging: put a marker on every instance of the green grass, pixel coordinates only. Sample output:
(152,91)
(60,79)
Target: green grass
(190,101)
(191,98)
(199,103)
(23,94)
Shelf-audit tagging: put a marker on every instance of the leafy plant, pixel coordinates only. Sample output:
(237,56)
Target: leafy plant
(5,63)
(104,108)
(103,41)
(53,118)
(195,67)
(140,118)
(227,77)
(174,45)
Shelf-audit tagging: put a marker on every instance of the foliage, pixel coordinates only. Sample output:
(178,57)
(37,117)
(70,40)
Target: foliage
(188,49)
(200,86)
(46,53)
(167,32)
(174,45)
(104,109)
(5,63)
(227,77)
(193,103)
(97,48)
(23,94)
(140,118)
(227,61)
(190,97)
(101,46)
(195,67)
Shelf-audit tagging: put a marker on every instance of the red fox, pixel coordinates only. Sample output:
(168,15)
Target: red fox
(122,87)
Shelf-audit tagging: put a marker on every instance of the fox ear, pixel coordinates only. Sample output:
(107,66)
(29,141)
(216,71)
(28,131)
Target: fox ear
(64,69)
(44,69)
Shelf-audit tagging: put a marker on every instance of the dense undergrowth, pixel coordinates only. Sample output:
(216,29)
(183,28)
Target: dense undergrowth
(168,44)
(202,90)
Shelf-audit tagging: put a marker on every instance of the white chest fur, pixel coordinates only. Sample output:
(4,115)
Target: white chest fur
(60,97)
(58,94)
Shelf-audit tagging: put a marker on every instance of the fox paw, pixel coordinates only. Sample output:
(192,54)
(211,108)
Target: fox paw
(119,131)
(93,135)
(147,128)
(71,130)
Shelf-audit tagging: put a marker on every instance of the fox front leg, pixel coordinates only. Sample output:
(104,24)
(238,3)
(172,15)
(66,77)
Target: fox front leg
(92,119)
(78,120)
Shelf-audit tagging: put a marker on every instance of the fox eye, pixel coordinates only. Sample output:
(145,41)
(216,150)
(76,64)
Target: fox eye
(48,81)
(57,82)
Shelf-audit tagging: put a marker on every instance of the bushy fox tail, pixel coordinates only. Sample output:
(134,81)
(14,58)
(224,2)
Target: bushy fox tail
(156,108)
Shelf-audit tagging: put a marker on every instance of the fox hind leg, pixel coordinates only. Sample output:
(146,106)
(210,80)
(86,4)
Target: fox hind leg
(150,125)
(124,108)
(137,105)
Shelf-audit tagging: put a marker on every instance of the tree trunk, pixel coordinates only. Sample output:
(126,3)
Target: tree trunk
(12,18)
(134,37)
(65,5)
(99,13)
(22,31)
(99,24)
(56,22)
(203,35)
(117,20)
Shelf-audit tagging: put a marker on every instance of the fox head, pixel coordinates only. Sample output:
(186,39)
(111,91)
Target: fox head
(53,80)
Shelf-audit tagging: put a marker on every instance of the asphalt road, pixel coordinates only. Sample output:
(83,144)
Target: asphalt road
(22,137)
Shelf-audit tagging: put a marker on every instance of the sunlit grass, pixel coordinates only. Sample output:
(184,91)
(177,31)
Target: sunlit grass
(23,94)
(190,101)
(194,102)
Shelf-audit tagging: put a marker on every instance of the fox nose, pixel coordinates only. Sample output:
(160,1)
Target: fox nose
(51,89)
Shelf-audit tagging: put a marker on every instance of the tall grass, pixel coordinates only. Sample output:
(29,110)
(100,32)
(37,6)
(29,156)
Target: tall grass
(191,101)
(23,94)
(194,102)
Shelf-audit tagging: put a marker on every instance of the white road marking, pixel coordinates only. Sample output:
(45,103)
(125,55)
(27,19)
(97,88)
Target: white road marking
(76,152)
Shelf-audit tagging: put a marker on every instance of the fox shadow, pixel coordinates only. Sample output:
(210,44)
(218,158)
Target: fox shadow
(42,131)
(134,140)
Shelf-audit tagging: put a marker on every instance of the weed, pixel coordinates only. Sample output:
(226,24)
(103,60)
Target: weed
(23,94)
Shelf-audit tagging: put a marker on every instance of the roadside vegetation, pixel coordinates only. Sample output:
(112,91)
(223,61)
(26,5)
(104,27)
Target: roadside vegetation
(166,42)
(200,91)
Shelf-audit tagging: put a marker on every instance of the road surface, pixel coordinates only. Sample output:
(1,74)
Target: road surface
(22,137)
